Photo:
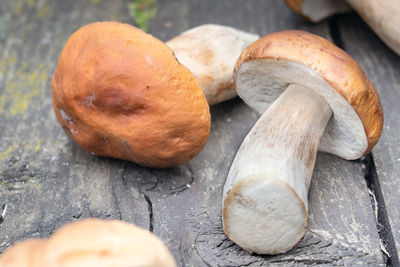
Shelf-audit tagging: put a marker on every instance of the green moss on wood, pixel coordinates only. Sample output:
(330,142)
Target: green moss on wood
(142,11)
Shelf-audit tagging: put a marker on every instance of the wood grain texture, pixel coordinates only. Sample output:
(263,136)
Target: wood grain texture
(46,180)
(383,68)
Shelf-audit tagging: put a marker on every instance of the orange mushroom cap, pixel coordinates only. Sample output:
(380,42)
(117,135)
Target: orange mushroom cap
(120,92)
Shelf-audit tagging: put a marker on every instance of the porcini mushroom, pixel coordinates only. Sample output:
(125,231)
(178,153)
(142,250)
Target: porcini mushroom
(120,92)
(95,242)
(210,53)
(317,10)
(24,254)
(383,16)
(91,242)
(312,95)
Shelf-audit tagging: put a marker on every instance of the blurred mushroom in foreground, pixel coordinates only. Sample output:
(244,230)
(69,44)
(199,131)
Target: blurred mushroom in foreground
(91,242)
(312,95)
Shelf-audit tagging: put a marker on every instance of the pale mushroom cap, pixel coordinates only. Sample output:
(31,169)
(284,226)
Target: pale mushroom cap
(24,254)
(210,53)
(104,244)
(273,62)
(91,243)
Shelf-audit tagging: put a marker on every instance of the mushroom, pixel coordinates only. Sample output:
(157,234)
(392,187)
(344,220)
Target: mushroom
(120,92)
(91,242)
(210,52)
(317,10)
(24,254)
(383,16)
(312,95)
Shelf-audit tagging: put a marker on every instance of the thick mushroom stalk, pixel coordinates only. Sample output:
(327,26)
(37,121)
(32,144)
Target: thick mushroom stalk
(269,178)
(383,16)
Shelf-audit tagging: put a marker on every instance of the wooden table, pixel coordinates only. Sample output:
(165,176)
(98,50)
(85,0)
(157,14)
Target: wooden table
(46,180)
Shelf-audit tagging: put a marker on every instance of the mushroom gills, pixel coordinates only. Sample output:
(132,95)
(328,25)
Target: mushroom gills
(265,195)
(260,82)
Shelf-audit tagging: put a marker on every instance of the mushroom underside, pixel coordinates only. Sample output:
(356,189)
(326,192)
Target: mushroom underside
(260,82)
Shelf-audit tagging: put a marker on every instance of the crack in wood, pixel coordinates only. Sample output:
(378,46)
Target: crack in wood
(183,187)
(198,254)
(381,216)
(123,176)
(3,213)
(116,202)
(166,181)
(113,190)
(87,207)
(150,210)
(153,184)
(213,246)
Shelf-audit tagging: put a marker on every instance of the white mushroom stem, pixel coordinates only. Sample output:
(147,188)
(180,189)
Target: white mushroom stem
(265,195)
(383,16)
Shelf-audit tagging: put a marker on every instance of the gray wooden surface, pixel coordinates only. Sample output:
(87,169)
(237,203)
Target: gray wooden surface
(46,180)
(383,66)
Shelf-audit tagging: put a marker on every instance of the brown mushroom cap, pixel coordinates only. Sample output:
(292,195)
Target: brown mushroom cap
(119,92)
(269,65)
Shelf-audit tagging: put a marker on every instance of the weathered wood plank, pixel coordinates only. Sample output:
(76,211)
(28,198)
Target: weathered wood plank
(46,180)
(383,68)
